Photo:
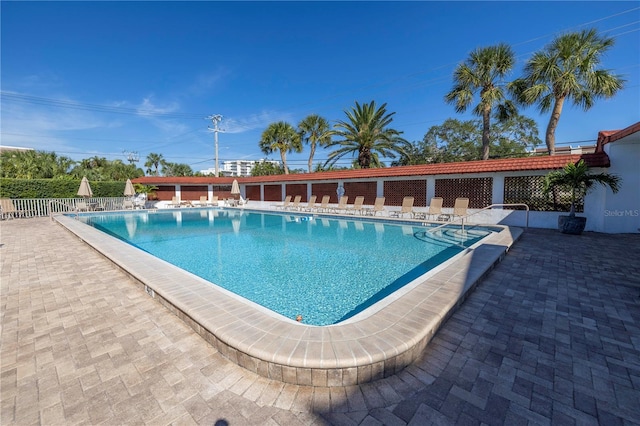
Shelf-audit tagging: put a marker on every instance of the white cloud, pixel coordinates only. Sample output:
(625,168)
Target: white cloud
(206,81)
(40,127)
(253,122)
(148,108)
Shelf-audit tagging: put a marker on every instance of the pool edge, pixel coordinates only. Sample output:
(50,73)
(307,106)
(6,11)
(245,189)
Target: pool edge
(279,349)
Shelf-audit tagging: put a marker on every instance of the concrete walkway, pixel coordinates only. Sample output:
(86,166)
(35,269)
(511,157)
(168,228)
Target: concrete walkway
(552,336)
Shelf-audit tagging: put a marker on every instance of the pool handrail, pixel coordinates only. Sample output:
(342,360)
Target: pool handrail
(462,218)
(68,208)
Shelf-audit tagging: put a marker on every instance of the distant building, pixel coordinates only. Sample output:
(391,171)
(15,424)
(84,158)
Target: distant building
(238,167)
(4,148)
(568,150)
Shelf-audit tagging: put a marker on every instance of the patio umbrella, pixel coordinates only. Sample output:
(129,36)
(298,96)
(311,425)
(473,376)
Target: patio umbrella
(85,188)
(129,191)
(235,188)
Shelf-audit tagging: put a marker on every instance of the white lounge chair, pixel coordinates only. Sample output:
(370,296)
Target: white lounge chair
(407,208)
(311,204)
(324,204)
(82,206)
(357,205)
(285,203)
(435,209)
(378,206)
(342,204)
(8,209)
(296,203)
(460,207)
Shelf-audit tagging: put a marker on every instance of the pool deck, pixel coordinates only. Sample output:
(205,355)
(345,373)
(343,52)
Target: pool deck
(544,339)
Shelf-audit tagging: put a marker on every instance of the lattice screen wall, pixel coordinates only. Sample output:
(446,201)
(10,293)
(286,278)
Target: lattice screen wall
(165,192)
(294,189)
(396,190)
(193,192)
(477,190)
(222,191)
(322,189)
(272,193)
(530,190)
(367,189)
(252,192)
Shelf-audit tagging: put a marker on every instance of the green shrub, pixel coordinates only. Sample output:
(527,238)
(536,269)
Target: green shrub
(55,188)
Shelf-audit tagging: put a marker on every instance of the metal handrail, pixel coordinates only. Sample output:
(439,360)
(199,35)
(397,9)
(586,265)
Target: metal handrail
(65,205)
(462,218)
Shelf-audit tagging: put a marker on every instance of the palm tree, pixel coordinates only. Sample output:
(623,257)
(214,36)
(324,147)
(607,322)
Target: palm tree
(575,177)
(567,69)
(154,160)
(314,130)
(283,137)
(483,72)
(365,131)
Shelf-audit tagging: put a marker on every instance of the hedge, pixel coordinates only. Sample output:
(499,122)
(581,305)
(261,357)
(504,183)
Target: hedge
(55,188)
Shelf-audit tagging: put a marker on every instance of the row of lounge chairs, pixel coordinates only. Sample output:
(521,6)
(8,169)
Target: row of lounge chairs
(434,210)
(205,202)
(325,207)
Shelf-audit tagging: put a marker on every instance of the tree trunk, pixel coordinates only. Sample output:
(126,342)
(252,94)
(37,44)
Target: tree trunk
(550,136)
(486,122)
(283,155)
(364,158)
(312,151)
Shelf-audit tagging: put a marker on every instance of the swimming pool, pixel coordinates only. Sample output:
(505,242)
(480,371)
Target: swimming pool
(325,269)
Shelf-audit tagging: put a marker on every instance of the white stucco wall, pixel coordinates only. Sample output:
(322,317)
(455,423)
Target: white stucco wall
(620,213)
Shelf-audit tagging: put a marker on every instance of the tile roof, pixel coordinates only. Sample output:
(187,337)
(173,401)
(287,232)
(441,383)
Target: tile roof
(545,162)
(608,136)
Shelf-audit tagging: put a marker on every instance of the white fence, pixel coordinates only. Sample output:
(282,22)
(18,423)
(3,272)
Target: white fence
(41,207)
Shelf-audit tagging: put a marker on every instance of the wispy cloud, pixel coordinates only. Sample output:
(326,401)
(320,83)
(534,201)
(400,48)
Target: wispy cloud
(205,82)
(253,122)
(147,107)
(51,129)
(83,132)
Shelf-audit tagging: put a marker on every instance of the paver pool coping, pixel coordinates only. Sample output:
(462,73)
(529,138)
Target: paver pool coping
(353,352)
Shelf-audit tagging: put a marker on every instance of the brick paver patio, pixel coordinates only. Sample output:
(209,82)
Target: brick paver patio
(552,336)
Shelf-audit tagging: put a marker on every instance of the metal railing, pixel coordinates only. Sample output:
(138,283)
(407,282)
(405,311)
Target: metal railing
(55,207)
(462,218)
(43,207)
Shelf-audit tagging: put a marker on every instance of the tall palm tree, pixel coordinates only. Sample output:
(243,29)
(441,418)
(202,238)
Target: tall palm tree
(281,136)
(365,131)
(567,69)
(314,130)
(154,160)
(483,73)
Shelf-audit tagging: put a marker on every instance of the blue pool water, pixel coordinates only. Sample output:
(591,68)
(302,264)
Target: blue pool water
(326,270)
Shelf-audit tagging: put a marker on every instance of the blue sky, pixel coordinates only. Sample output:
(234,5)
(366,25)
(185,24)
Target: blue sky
(102,78)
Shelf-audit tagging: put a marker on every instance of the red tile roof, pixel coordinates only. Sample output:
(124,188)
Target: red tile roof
(608,136)
(545,162)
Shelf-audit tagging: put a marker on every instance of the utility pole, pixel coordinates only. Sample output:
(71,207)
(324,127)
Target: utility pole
(215,119)
(132,156)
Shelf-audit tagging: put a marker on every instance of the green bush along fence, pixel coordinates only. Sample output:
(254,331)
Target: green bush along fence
(55,188)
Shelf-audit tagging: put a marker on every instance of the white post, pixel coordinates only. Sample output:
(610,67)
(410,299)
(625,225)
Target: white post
(215,119)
